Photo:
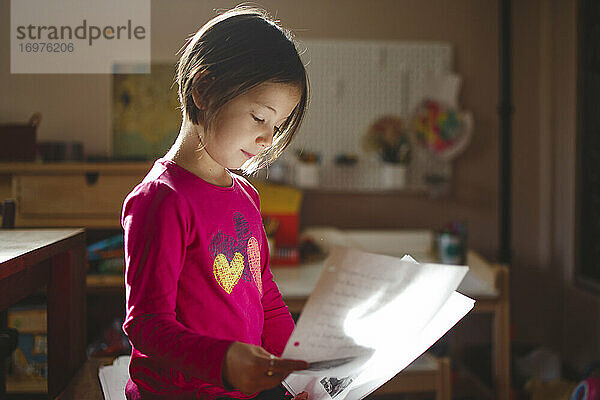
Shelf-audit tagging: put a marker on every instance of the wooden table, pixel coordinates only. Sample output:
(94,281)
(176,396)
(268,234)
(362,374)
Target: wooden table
(32,258)
(487,283)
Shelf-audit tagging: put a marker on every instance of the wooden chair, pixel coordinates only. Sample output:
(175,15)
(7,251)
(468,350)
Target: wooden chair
(7,210)
(426,374)
(8,336)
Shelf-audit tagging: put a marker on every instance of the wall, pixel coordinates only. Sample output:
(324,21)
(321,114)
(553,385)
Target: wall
(76,107)
(547,308)
(581,308)
(533,125)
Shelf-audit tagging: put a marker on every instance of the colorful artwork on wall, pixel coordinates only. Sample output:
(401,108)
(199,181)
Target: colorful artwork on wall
(145,113)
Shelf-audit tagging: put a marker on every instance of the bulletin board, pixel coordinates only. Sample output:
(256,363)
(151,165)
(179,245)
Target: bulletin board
(353,83)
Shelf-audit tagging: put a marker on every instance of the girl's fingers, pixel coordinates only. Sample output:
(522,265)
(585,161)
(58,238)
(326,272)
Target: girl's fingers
(299,365)
(280,368)
(284,364)
(301,396)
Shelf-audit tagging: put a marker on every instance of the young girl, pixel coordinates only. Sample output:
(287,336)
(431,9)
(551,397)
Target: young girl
(204,317)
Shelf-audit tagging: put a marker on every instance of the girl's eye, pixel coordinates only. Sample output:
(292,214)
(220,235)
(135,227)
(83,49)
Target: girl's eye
(259,120)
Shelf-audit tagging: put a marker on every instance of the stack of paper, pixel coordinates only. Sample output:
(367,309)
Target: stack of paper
(368,318)
(113,378)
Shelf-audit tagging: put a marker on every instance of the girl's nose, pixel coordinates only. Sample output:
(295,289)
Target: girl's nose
(266,139)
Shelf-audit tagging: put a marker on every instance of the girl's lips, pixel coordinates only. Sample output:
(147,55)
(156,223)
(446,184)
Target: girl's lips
(248,155)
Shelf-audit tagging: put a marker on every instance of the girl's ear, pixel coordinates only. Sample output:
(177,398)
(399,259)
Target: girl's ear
(199,85)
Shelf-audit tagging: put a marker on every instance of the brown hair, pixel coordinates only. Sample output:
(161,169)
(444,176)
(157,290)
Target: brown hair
(233,53)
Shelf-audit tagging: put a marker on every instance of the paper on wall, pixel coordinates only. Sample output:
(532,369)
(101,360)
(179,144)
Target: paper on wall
(443,88)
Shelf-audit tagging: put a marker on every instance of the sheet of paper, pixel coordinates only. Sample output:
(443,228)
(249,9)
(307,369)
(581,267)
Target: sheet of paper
(113,378)
(368,318)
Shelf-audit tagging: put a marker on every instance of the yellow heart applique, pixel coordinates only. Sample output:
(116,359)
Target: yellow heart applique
(228,274)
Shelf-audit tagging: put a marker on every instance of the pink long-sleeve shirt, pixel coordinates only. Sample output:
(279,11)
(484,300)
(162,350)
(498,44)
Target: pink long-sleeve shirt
(197,279)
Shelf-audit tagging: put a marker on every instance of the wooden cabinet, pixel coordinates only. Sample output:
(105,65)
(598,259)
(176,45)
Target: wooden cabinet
(65,194)
(69,194)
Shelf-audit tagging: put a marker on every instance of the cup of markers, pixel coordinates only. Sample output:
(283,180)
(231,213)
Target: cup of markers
(451,243)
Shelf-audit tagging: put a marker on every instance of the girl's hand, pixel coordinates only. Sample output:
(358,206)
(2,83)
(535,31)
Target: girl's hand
(250,369)
(301,396)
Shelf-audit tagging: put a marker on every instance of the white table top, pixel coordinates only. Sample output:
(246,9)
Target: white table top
(15,242)
(299,281)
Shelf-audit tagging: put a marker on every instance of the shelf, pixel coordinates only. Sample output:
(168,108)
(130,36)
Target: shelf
(51,168)
(26,385)
(97,283)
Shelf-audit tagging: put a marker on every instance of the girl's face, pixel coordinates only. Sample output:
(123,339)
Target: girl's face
(246,125)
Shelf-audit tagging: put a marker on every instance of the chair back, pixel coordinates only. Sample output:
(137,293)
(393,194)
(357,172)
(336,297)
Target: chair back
(8,209)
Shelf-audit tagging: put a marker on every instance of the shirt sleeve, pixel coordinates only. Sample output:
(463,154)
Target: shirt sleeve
(156,226)
(278,322)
